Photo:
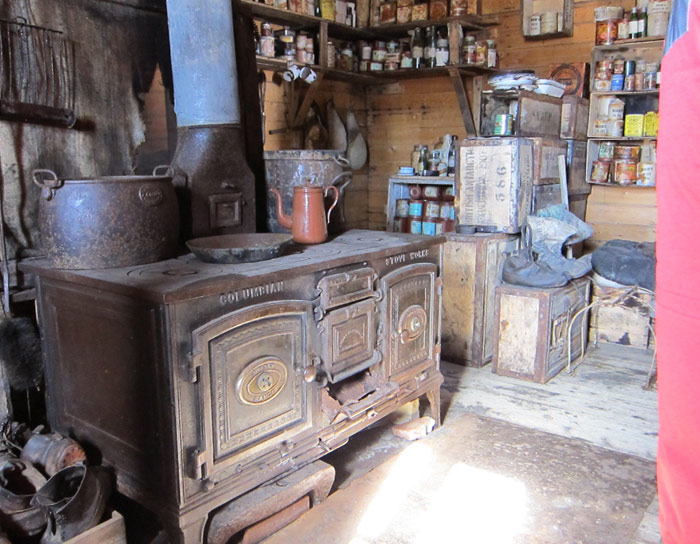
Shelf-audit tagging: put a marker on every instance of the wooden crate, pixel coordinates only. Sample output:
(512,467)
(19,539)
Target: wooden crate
(538,7)
(545,195)
(538,115)
(576,168)
(472,269)
(546,153)
(494,183)
(574,118)
(398,188)
(533,327)
(625,323)
(111,531)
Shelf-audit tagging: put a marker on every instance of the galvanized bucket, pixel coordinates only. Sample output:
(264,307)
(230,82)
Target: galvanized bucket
(286,169)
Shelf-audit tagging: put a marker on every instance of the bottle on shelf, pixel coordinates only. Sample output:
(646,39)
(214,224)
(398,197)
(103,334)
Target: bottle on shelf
(417,48)
(623,27)
(491,54)
(642,23)
(469,50)
(442,55)
(633,24)
(451,158)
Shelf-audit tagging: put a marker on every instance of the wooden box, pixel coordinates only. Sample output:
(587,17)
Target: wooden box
(533,327)
(545,195)
(624,323)
(574,118)
(576,168)
(494,183)
(535,115)
(546,153)
(111,531)
(472,269)
(398,188)
(562,24)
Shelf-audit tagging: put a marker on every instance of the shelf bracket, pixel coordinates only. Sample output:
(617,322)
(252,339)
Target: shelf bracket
(463,100)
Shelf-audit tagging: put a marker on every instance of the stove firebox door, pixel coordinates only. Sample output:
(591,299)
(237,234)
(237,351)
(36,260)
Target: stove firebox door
(410,319)
(254,399)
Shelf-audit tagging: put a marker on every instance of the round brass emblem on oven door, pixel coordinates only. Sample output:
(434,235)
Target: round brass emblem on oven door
(261,381)
(412,323)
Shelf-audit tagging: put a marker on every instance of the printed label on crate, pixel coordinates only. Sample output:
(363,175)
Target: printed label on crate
(492,186)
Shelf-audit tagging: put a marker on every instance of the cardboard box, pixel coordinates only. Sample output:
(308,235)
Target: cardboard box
(533,327)
(494,183)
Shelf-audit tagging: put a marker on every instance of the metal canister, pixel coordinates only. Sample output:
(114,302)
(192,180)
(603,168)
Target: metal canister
(415,226)
(503,124)
(431,192)
(625,172)
(446,210)
(615,128)
(439,227)
(617,83)
(415,208)
(402,207)
(549,22)
(431,209)
(428,227)
(646,173)
(600,171)
(606,32)
(606,151)
(628,152)
(401,224)
(448,193)
(414,191)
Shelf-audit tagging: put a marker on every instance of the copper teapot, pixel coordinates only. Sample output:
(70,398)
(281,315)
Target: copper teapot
(309,218)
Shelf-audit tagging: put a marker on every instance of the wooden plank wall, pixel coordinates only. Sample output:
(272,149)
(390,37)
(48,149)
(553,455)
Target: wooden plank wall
(345,96)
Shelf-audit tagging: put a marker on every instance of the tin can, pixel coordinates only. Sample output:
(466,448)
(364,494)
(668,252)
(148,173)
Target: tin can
(415,226)
(649,81)
(646,173)
(364,66)
(627,152)
(625,172)
(431,192)
(415,191)
(603,85)
(401,224)
(617,83)
(535,25)
(402,207)
(428,227)
(449,226)
(605,65)
(600,171)
(365,50)
(446,210)
(432,210)
(503,124)
(376,66)
(267,46)
(651,123)
(391,65)
(615,128)
(634,125)
(448,193)
(606,32)
(549,22)
(439,227)
(606,151)
(600,128)
(415,208)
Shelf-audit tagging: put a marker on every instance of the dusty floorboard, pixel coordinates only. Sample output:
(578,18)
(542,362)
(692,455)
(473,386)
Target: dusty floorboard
(504,467)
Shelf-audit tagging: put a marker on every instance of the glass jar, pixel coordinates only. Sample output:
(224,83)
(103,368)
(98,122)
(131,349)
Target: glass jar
(442,55)
(480,52)
(491,54)
(469,50)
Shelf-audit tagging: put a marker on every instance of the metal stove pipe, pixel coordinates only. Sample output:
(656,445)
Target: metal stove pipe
(215,184)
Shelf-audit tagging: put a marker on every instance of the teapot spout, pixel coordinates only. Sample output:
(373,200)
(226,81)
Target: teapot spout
(282,217)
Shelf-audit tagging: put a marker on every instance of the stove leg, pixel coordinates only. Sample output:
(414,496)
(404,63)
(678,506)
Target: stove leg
(187,534)
(433,397)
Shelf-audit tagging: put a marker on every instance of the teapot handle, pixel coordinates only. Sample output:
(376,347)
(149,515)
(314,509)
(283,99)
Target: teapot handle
(335,200)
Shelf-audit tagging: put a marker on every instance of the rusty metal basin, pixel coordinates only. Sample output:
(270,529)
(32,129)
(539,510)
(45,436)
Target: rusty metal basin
(239,248)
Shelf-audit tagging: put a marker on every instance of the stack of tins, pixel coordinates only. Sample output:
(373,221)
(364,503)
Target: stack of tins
(428,210)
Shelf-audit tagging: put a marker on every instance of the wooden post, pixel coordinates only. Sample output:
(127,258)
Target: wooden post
(463,100)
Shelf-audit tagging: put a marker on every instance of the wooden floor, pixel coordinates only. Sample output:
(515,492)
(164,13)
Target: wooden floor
(585,443)
(602,402)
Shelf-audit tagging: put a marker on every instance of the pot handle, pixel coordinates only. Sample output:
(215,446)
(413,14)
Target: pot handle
(169,171)
(342,161)
(48,185)
(346,174)
(335,200)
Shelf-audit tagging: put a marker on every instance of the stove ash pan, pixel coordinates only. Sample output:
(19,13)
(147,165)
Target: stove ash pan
(196,402)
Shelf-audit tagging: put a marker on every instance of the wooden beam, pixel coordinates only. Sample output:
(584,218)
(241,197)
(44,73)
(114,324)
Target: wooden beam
(463,100)
(308,99)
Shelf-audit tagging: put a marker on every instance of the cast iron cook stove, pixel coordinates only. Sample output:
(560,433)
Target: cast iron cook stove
(199,382)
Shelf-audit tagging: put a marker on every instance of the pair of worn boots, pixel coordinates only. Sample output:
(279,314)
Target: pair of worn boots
(69,502)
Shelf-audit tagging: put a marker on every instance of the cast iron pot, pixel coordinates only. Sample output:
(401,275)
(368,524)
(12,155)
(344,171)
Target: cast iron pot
(107,222)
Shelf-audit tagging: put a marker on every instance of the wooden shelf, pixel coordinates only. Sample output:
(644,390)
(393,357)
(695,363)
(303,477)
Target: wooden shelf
(606,184)
(423,180)
(411,73)
(621,138)
(548,36)
(625,93)
(344,32)
(624,43)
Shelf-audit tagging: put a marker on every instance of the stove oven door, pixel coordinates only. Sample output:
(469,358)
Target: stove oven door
(254,401)
(411,320)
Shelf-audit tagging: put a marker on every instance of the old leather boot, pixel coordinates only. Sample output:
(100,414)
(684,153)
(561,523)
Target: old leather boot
(74,500)
(19,481)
